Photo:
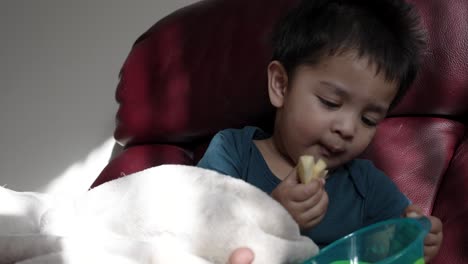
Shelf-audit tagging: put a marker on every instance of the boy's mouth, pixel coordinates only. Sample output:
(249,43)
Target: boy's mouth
(330,150)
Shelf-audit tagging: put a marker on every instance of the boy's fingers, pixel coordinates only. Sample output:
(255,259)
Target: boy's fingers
(436,225)
(431,240)
(414,211)
(319,208)
(434,238)
(303,192)
(292,177)
(429,253)
(315,214)
(311,201)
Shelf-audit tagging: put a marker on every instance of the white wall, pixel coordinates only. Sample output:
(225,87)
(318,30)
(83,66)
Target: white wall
(58,71)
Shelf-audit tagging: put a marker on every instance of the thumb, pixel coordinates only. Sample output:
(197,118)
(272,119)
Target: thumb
(292,177)
(413,211)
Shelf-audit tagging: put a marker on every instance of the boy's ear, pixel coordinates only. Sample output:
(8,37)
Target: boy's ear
(277,83)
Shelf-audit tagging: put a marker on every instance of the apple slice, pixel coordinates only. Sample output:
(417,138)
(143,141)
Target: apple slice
(308,169)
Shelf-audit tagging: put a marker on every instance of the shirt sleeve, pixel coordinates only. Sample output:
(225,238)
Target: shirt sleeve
(223,154)
(384,199)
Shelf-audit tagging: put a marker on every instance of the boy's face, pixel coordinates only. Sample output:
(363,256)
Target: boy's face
(329,110)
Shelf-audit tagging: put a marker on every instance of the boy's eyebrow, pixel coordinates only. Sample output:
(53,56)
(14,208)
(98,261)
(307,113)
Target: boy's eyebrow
(337,88)
(342,92)
(377,109)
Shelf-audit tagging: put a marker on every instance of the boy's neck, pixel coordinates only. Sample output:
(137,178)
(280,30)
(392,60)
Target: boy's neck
(276,161)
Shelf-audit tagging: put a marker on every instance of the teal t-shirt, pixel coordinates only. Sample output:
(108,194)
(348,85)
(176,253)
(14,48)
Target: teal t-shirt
(359,194)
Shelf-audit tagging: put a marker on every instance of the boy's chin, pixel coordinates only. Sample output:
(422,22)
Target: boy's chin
(334,163)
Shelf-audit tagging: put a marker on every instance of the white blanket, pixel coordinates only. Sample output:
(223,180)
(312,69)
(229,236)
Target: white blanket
(165,214)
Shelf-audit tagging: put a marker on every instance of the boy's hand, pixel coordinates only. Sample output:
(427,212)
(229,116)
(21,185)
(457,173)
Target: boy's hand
(433,240)
(307,203)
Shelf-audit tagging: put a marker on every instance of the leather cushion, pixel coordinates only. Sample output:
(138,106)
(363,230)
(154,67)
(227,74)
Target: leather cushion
(415,153)
(199,70)
(138,158)
(451,207)
(455,242)
(452,198)
(441,88)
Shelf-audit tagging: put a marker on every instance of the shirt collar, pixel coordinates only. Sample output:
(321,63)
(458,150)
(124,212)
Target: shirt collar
(356,175)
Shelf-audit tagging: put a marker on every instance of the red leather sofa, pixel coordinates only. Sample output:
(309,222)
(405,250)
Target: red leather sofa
(203,68)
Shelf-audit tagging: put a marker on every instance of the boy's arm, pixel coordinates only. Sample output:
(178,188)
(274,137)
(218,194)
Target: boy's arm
(223,155)
(383,198)
(388,202)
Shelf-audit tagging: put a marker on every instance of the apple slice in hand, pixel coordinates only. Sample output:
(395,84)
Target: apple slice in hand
(308,169)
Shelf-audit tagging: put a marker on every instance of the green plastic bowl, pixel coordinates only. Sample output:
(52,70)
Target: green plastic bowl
(393,241)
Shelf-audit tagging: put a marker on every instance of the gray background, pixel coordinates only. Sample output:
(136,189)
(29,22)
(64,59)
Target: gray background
(59,67)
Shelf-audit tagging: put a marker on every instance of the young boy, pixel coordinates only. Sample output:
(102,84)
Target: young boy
(338,67)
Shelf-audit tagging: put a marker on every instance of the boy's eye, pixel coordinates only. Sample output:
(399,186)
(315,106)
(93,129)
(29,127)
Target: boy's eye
(369,122)
(328,103)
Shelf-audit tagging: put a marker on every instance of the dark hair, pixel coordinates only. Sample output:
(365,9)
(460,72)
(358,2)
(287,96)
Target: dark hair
(388,32)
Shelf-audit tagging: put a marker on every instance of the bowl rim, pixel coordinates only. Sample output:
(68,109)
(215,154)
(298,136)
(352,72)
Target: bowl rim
(423,222)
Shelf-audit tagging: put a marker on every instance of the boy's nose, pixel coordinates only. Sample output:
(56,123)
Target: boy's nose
(345,126)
